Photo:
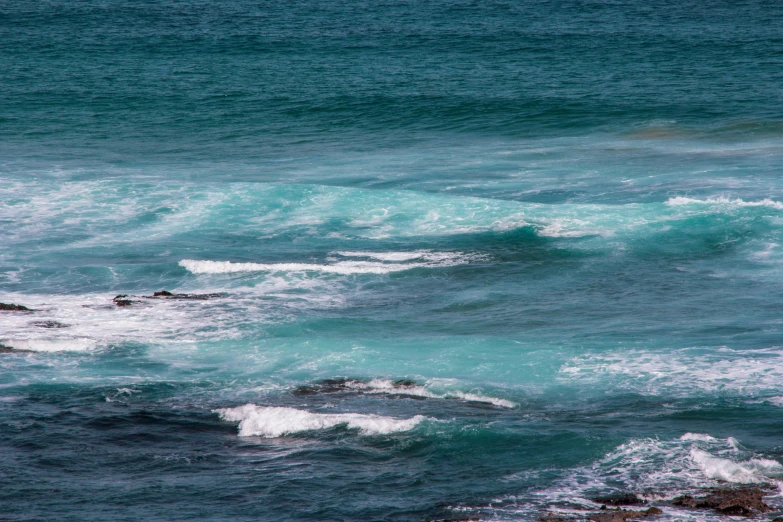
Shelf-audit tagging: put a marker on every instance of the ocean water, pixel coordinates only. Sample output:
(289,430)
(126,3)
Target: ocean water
(458,260)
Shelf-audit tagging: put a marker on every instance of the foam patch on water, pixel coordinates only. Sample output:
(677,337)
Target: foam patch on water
(388,262)
(571,229)
(681,200)
(680,372)
(62,344)
(386,386)
(270,421)
(397,257)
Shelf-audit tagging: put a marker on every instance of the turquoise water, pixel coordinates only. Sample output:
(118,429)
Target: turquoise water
(458,259)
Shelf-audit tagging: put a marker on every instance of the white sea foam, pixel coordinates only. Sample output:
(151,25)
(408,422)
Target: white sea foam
(388,262)
(571,229)
(63,344)
(397,257)
(698,436)
(681,200)
(751,471)
(681,372)
(344,268)
(92,321)
(268,421)
(389,387)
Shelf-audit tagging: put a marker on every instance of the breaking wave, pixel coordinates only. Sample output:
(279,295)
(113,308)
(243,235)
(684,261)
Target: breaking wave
(681,200)
(270,421)
(387,262)
(390,387)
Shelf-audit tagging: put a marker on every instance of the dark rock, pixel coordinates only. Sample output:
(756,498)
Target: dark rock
(305,390)
(7,307)
(454,520)
(9,349)
(551,517)
(621,515)
(169,295)
(621,499)
(740,501)
(344,384)
(339,384)
(48,324)
(606,515)
(120,300)
(777,519)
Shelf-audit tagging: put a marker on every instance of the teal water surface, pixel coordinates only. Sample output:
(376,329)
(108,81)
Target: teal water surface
(442,260)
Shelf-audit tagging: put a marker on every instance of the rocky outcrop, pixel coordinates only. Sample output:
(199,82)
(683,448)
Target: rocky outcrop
(168,295)
(130,300)
(728,501)
(605,515)
(8,307)
(621,515)
(745,501)
(121,300)
(11,349)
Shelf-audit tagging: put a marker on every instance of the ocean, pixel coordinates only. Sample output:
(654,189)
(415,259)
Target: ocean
(422,260)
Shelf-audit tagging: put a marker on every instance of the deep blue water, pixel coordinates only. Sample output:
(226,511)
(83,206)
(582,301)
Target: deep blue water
(460,259)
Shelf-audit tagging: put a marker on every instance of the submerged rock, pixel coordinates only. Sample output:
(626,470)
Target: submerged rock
(621,515)
(344,384)
(8,307)
(11,349)
(339,384)
(169,295)
(605,515)
(49,324)
(734,501)
(621,499)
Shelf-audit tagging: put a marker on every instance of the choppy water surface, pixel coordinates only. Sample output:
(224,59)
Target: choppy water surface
(429,260)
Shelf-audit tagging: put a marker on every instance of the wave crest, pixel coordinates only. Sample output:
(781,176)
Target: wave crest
(385,262)
(389,387)
(275,421)
(681,200)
